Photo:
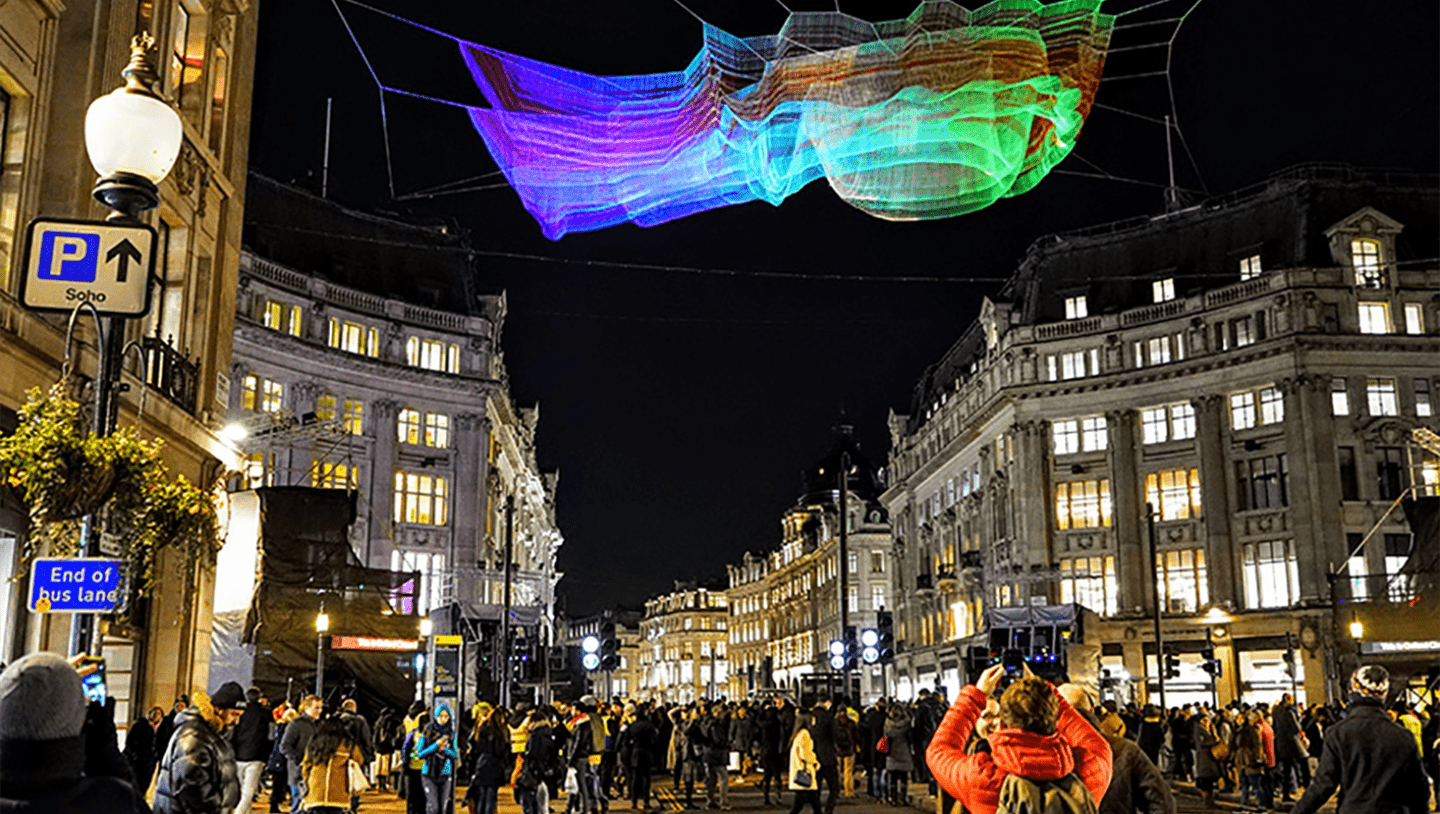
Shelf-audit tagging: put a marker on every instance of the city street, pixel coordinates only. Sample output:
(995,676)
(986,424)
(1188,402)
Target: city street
(744,796)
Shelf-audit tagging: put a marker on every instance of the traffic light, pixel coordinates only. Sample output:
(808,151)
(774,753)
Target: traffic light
(609,647)
(885,634)
(1289,654)
(1211,664)
(590,653)
(837,654)
(869,646)
(1172,662)
(852,648)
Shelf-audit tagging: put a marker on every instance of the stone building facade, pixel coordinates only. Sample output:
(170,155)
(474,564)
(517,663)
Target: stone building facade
(364,361)
(55,58)
(683,647)
(1254,369)
(785,604)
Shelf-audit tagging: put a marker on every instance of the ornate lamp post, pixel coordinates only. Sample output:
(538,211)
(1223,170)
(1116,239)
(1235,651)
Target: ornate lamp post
(133,137)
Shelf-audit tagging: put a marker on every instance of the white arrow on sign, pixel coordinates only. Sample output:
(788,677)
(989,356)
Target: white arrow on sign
(104,263)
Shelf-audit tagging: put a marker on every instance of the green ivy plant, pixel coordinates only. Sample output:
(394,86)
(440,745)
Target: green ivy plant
(63,474)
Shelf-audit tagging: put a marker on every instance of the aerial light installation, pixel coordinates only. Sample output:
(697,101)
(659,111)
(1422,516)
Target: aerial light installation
(935,115)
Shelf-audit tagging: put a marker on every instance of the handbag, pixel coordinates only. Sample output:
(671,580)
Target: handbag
(883,746)
(572,783)
(355,779)
(803,779)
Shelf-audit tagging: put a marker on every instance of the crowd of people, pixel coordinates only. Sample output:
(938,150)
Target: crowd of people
(1007,744)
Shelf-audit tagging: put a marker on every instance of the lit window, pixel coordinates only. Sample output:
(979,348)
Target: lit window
(1163,290)
(1160,350)
(1174,493)
(248,391)
(1339,397)
(1272,576)
(297,321)
(1067,436)
(877,562)
(354,416)
(1414,318)
(407,426)
(260,393)
(1082,504)
(1244,332)
(452,359)
(1180,347)
(326,475)
(1400,587)
(352,337)
(1365,258)
(1374,318)
(1074,365)
(877,597)
(273,315)
(1076,308)
(1184,583)
(1272,406)
(1380,395)
(1182,420)
(1090,581)
(437,430)
(426,353)
(1359,582)
(1242,410)
(1422,398)
(325,407)
(420,499)
(1094,436)
(1250,267)
(1154,427)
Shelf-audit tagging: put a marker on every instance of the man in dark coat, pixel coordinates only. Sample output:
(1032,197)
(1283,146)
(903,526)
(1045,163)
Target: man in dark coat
(1136,785)
(251,740)
(1288,753)
(197,772)
(636,749)
(141,748)
(297,736)
(717,758)
(823,733)
(1372,761)
(166,729)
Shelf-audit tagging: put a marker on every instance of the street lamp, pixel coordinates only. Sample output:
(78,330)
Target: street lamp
(1357,630)
(322,625)
(427,627)
(133,137)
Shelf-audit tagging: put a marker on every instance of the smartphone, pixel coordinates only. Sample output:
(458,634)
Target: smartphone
(94,682)
(1014,661)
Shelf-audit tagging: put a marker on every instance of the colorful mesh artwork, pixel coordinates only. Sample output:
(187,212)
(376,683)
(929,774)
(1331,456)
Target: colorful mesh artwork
(938,114)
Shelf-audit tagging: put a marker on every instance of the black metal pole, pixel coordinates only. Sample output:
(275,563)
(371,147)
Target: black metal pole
(504,659)
(1155,576)
(844,558)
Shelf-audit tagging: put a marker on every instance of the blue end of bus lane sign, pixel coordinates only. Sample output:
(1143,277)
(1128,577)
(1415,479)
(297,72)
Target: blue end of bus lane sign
(76,585)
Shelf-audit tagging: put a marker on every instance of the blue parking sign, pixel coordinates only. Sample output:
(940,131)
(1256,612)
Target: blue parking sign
(107,264)
(70,256)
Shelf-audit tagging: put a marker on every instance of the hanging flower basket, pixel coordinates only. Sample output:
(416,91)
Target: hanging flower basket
(64,474)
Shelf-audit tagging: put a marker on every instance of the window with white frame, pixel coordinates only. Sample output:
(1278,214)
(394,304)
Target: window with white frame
(354,416)
(420,498)
(1243,408)
(1374,317)
(1414,318)
(407,426)
(328,475)
(1244,330)
(1174,493)
(1082,504)
(1380,396)
(1167,422)
(877,597)
(1339,396)
(1250,267)
(1183,580)
(1272,405)
(1365,259)
(1159,347)
(1162,290)
(353,337)
(1359,572)
(1422,397)
(1073,365)
(1090,581)
(1066,434)
(1076,308)
(261,393)
(432,573)
(1094,436)
(1262,483)
(1272,576)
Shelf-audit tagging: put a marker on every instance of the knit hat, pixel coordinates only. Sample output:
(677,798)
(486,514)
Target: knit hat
(1372,680)
(229,696)
(41,699)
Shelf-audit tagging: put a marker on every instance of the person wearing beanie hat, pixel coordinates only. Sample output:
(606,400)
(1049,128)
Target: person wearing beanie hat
(1367,757)
(43,744)
(198,774)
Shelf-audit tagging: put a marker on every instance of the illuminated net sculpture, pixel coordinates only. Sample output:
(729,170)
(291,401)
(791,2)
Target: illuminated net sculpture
(938,114)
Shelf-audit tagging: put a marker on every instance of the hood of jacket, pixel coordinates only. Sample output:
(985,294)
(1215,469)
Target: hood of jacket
(202,709)
(1037,757)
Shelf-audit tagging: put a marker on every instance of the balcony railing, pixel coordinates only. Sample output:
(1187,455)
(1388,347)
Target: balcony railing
(171,373)
(1400,587)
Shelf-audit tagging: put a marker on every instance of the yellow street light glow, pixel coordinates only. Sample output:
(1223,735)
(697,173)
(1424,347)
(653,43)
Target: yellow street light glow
(322,622)
(427,626)
(1356,629)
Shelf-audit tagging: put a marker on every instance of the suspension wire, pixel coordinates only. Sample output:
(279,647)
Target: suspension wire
(1125,112)
(429,194)
(1170,88)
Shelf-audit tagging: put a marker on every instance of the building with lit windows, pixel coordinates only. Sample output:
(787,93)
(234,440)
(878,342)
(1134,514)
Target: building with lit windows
(1258,371)
(365,360)
(683,645)
(785,604)
(57,58)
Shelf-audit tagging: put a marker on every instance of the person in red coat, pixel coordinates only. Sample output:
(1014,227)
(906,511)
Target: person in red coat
(1042,738)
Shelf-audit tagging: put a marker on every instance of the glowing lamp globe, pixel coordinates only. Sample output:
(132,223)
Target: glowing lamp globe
(132,133)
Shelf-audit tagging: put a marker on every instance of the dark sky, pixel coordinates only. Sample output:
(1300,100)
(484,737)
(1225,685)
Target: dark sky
(680,407)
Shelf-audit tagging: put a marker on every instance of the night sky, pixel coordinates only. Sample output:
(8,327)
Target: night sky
(680,406)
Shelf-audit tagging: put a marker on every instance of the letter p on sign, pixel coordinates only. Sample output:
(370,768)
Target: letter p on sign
(69,256)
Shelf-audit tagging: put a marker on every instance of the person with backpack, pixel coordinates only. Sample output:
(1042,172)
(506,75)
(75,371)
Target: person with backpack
(1044,755)
(898,760)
